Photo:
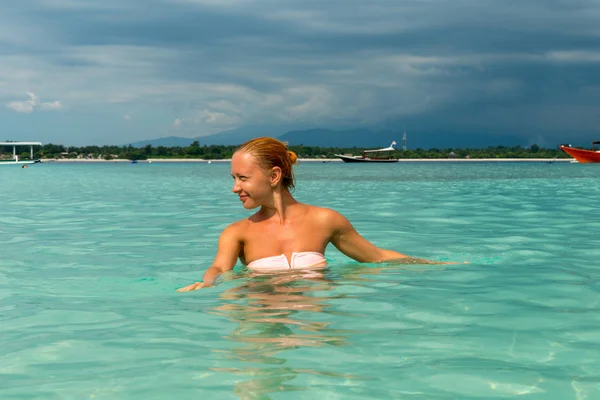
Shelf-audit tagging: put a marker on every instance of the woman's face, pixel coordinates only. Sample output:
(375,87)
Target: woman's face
(251,182)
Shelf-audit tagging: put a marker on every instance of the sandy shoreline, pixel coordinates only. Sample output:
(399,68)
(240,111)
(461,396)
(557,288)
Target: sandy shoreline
(306,160)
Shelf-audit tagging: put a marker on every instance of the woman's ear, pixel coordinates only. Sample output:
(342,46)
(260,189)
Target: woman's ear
(275,176)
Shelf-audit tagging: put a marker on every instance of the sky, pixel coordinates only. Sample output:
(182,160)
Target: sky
(81,72)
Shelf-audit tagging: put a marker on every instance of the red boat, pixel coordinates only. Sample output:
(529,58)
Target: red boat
(583,156)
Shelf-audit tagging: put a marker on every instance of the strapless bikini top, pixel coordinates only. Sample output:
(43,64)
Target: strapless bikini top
(300,260)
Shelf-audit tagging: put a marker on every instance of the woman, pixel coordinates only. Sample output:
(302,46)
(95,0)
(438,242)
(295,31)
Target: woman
(283,234)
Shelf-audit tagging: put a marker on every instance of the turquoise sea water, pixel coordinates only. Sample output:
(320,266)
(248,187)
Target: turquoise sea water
(91,256)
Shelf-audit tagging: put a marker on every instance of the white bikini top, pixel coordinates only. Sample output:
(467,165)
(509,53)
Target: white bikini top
(299,260)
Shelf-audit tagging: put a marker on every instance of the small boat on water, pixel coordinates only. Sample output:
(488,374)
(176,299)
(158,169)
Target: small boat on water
(15,157)
(17,161)
(582,155)
(385,155)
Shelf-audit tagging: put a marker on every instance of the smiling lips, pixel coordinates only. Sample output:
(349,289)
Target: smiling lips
(242,198)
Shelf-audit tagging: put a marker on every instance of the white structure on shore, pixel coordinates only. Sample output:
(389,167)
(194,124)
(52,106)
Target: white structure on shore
(15,159)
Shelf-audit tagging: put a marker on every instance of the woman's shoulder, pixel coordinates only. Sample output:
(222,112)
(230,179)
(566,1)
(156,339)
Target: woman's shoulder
(236,227)
(324,214)
(330,220)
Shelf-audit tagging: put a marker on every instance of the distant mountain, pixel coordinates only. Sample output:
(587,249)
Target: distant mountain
(383,138)
(341,138)
(171,141)
(240,135)
(443,140)
(231,137)
(360,137)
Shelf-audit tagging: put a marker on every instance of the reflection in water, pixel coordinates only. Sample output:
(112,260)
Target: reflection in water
(284,312)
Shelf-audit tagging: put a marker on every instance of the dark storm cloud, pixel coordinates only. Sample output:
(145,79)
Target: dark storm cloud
(528,68)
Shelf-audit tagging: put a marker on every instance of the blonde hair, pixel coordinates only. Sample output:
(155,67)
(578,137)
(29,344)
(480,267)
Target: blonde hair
(269,153)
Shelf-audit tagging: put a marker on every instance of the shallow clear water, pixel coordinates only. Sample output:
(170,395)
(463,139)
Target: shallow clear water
(91,256)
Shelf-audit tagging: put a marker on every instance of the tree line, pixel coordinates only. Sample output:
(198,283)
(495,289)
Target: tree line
(213,152)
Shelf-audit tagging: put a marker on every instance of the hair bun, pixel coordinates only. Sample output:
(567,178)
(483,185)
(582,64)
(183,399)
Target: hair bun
(293,157)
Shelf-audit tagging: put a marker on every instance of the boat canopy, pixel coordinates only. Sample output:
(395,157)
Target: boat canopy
(15,144)
(390,148)
(20,143)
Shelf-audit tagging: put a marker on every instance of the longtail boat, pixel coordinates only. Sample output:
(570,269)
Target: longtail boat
(582,155)
(385,155)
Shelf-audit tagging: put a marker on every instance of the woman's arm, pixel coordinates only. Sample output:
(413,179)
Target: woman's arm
(347,240)
(229,248)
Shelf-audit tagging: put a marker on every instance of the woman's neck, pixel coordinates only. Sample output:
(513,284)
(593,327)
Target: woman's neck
(282,200)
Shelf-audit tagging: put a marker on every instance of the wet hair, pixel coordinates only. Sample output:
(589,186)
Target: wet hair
(269,153)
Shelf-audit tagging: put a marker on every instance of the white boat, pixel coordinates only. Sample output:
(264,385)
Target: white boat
(385,155)
(15,159)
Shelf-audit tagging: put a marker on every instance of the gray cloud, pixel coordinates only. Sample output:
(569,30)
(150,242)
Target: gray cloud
(524,68)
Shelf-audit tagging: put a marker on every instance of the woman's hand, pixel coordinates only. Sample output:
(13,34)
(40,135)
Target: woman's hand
(193,286)
(230,246)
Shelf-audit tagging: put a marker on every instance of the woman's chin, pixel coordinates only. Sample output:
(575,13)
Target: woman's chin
(249,205)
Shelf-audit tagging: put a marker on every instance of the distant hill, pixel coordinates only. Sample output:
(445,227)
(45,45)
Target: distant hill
(341,138)
(443,140)
(171,141)
(240,135)
(383,138)
(230,137)
(360,137)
